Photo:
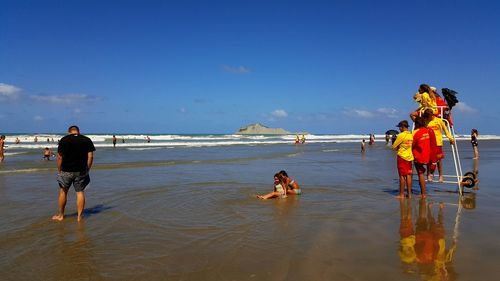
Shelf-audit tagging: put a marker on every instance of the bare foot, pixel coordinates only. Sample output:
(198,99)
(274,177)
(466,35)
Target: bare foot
(400,196)
(429,178)
(261,197)
(441,205)
(441,179)
(79,218)
(423,196)
(58,217)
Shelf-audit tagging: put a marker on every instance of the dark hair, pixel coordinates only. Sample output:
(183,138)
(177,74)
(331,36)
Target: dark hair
(474,131)
(283,173)
(424,88)
(73,127)
(428,115)
(419,122)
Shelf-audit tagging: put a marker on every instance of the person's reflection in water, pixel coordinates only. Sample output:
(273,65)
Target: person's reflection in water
(475,170)
(425,247)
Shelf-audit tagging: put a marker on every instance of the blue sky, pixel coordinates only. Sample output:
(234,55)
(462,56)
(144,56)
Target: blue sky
(214,66)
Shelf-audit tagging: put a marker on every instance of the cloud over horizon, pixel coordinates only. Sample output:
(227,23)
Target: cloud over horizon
(465,108)
(379,112)
(9,91)
(64,99)
(279,113)
(238,69)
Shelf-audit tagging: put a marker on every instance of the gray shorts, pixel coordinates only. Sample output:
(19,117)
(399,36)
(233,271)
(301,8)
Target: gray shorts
(80,180)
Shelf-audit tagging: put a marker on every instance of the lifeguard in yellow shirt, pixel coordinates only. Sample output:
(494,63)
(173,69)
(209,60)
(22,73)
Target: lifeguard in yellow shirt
(403,145)
(425,96)
(438,126)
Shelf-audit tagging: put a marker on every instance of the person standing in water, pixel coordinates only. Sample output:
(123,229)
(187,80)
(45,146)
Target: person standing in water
(114,141)
(421,149)
(297,139)
(403,145)
(363,146)
(2,145)
(74,161)
(372,139)
(473,140)
(303,139)
(438,126)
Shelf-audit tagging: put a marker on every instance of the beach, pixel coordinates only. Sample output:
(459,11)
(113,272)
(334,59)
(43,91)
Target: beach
(184,208)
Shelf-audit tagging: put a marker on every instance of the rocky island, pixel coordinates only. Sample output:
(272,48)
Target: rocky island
(259,129)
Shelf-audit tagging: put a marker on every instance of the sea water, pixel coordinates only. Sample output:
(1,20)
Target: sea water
(184,208)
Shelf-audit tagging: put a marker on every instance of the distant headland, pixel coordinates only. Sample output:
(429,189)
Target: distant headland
(259,129)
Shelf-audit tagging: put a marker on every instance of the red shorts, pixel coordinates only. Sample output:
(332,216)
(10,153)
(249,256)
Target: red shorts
(439,153)
(419,167)
(404,167)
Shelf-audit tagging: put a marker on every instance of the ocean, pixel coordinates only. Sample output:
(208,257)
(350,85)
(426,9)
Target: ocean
(184,207)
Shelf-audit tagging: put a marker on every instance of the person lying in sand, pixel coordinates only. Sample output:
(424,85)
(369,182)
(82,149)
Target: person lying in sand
(279,188)
(293,187)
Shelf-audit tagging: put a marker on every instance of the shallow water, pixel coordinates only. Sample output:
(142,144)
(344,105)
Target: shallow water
(190,213)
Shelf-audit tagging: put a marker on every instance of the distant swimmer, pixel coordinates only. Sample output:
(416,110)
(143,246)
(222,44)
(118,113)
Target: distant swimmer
(303,139)
(293,187)
(363,145)
(48,140)
(74,161)
(18,141)
(297,139)
(35,139)
(123,140)
(372,139)
(114,141)
(47,153)
(2,145)
(148,139)
(279,190)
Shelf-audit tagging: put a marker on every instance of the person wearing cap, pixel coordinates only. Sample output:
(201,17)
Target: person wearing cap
(74,160)
(438,126)
(403,146)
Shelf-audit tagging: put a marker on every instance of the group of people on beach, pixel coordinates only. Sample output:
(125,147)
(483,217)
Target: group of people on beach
(301,140)
(423,146)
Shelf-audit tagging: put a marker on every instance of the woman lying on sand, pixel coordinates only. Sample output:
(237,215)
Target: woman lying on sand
(279,188)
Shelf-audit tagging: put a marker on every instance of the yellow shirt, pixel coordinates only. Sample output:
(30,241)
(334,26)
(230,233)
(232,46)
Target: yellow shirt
(436,124)
(427,102)
(403,144)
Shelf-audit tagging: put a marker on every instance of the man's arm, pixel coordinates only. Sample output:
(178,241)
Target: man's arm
(59,162)
(90,159)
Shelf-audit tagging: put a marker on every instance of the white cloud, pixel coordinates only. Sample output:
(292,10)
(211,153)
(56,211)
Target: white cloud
(238,69)
(279,113)
(359,113)
(379,112)
(64,99)
(38,118)
(465,108)
(182,110)
(388,112)
(9,91)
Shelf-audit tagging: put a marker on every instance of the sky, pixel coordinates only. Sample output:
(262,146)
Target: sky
(325,67)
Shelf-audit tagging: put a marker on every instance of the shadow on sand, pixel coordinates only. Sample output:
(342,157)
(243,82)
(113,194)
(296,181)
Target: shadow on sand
(88,212)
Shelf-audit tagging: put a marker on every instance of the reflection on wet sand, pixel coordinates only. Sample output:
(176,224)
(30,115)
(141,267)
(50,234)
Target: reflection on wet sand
(423,248)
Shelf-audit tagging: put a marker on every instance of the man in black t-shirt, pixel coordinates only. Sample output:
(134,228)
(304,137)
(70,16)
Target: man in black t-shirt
(74,160)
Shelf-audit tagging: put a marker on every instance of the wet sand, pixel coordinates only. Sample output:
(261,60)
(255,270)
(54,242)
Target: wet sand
(191,214)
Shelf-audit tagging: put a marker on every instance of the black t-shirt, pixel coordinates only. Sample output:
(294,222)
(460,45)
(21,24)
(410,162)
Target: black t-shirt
(75,149)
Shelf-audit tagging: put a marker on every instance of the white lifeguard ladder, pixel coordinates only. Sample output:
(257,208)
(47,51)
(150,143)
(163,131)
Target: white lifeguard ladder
(454,151)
